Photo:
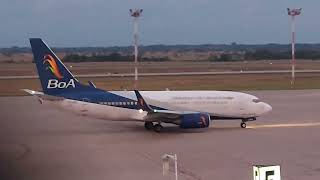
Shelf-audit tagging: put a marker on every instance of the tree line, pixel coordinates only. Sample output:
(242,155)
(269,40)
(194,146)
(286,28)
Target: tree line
(114,57)
(263,54)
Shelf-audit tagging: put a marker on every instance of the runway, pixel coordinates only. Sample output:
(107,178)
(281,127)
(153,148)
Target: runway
(172,74)
(42,143)
(285,125)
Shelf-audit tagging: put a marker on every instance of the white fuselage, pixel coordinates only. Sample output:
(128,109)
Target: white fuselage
(216,103)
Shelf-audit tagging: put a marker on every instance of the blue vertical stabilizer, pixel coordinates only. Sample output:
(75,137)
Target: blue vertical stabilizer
(54,76)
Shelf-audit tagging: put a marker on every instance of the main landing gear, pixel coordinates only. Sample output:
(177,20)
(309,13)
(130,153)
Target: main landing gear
(149,126)
(157,128)
(243,123)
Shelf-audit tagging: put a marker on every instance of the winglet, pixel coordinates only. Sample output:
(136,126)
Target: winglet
(142,103)
(92,84)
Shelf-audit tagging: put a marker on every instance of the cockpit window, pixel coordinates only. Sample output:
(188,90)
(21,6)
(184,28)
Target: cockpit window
(256,100)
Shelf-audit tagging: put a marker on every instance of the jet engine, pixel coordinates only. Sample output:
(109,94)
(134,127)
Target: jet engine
(195,120)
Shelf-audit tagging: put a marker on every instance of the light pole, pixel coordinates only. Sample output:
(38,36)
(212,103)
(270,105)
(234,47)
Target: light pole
(135,13)
(293,13)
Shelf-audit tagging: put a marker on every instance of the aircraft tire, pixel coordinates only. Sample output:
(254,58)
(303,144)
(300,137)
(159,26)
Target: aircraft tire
(148,125)
(243,125)
(158,128)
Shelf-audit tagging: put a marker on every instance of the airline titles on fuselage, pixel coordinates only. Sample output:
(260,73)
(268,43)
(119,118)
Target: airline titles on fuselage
(202,100)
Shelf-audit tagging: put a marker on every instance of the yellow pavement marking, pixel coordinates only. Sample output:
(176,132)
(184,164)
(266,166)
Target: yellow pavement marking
(285,125)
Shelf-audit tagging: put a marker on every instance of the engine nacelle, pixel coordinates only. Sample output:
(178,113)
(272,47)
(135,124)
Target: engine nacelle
(195,120)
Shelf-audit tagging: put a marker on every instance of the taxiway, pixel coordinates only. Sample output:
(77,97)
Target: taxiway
(42,143)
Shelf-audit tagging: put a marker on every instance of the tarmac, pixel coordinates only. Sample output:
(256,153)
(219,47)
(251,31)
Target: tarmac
(41,143)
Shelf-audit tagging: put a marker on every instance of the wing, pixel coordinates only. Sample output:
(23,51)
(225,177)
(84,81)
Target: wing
(185,119)
(156,115)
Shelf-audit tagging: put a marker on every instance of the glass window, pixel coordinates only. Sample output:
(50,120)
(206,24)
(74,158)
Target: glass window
(256,100)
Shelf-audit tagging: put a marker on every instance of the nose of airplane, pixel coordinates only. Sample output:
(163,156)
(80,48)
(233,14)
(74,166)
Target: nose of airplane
(267,108)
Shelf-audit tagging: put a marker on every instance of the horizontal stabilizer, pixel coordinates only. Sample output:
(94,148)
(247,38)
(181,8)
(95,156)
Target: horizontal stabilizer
(43,96)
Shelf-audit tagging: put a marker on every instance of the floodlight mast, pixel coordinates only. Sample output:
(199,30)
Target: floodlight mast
(293,13)
(135,13)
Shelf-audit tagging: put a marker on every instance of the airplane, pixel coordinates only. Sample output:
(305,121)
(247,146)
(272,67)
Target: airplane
(186,109)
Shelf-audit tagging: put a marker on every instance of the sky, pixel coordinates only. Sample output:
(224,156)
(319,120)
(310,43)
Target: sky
(77,23)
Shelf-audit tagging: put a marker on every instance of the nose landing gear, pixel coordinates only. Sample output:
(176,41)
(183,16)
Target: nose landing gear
(243,123)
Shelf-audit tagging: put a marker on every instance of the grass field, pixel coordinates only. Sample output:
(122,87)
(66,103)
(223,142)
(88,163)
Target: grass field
(205,82)
(199,82)
(16,69)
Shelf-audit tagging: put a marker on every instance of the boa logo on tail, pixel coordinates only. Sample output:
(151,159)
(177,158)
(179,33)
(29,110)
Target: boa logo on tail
(52,66)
